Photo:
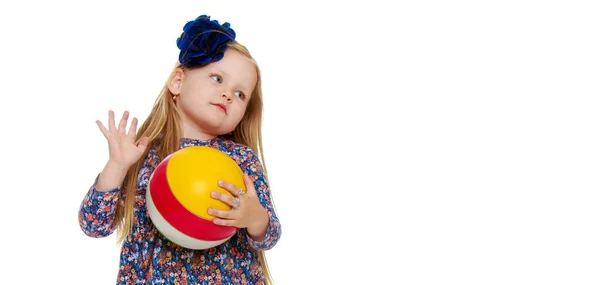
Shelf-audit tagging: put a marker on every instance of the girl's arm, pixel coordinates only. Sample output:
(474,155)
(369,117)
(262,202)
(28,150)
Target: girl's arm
(99,206)
(253,167)
(97,211)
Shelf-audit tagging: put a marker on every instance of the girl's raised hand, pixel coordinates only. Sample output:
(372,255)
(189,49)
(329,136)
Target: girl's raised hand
(122,148)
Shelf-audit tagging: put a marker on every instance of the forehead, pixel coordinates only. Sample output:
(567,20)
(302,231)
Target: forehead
(236,65)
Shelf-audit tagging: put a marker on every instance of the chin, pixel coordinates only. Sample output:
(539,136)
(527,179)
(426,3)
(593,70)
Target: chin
(220,132)
(214,128)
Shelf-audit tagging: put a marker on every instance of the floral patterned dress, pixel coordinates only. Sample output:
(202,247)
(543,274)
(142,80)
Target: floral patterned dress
(147,257)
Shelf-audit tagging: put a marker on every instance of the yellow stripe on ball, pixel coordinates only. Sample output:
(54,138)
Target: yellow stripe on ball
(193,173)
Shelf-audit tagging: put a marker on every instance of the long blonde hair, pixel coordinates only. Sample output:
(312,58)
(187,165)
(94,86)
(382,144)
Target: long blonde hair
(164,130)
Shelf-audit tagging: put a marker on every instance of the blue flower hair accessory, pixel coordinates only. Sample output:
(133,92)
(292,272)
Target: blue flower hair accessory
(203,41)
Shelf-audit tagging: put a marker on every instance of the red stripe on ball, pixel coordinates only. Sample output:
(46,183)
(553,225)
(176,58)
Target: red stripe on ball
(177,215)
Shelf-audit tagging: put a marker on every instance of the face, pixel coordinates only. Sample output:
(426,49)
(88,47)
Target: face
(212,99)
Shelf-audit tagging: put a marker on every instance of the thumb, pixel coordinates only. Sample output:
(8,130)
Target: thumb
(143,143)
(249,184)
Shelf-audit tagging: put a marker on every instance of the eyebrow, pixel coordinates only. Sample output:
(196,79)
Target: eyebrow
(245,89)
(223,72)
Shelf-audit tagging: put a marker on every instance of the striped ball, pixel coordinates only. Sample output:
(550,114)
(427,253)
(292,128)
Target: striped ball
(178,196)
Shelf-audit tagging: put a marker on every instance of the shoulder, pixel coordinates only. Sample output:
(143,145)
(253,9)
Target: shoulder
(242,154)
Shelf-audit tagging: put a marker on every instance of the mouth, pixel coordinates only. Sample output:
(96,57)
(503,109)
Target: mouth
(222,107)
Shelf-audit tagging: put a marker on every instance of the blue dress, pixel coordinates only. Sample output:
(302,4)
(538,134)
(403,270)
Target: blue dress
(147,257)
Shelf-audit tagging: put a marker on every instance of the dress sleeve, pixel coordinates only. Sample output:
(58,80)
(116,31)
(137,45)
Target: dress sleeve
(97,211)
(253,167)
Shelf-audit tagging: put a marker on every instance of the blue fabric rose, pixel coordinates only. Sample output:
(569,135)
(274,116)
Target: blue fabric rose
(203,41)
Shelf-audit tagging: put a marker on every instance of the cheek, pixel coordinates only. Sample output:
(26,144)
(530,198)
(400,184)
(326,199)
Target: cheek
(196,89)
(239,112)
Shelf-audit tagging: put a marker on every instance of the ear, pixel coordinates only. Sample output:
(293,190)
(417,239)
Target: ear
(176,81)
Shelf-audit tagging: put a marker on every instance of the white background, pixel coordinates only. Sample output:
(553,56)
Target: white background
(433,142)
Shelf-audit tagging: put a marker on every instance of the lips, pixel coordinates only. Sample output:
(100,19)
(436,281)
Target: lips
(222,107)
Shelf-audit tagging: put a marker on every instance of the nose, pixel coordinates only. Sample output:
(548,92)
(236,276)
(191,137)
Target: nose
(227,95)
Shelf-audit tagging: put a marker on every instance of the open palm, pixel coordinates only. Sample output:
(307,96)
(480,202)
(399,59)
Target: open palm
(121,144)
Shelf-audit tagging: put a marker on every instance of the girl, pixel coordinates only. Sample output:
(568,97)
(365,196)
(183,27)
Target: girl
(212,98)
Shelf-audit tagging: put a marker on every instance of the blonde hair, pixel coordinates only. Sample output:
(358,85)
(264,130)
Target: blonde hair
(163,128)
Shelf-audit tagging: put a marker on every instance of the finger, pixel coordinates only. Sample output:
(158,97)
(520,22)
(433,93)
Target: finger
(123,122)
(133,127)
(102,128)
(143,144)
(249,184)
(111,120)
(221,213)
(227,199)
(225,222)
(234,190)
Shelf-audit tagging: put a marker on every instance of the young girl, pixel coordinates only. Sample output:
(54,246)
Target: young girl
(212,98)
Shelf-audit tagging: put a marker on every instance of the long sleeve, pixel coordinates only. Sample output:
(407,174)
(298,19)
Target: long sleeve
(97,212)
(253,167)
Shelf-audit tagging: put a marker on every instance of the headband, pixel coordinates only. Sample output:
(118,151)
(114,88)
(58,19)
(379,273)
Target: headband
(203,41)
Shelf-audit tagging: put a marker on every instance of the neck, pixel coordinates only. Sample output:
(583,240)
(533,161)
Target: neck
(193,132)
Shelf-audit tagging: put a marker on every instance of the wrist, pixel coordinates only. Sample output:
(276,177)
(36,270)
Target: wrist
(116,167)
(258,230)
(111,177)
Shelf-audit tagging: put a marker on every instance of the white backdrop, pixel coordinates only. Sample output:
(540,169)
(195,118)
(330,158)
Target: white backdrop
(444,142)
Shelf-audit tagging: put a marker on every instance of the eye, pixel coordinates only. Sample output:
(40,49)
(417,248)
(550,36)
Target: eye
(240,95)
(216,78)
